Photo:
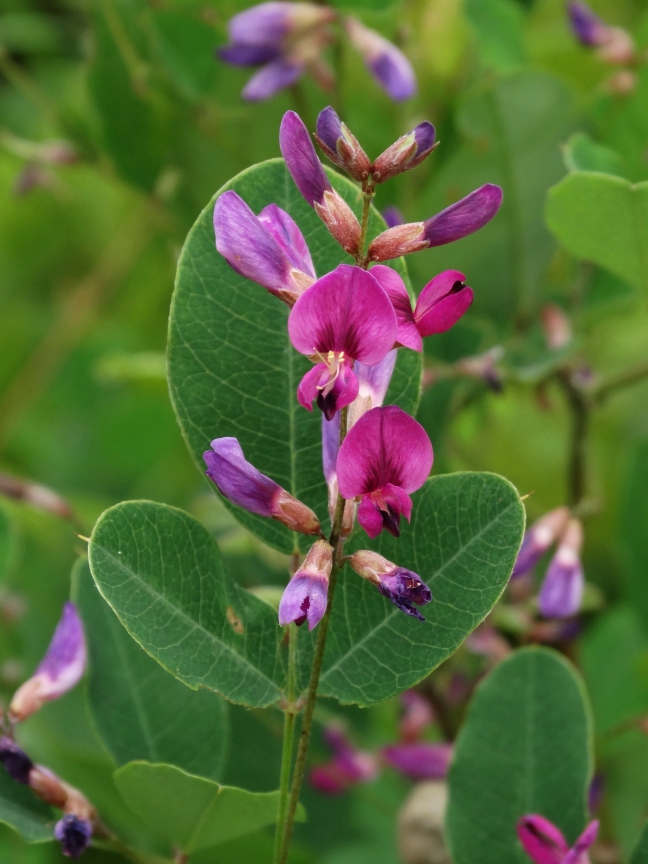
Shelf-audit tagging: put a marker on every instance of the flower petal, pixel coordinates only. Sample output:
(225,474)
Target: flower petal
(561,592)
(373,381)
(420,761)
(271,78)
(386,445)
(301,159)
(578,853)
(541,840)
(442,303)
(370,517)
(344,311)
(73,834)
(465,217)
(285,231)
(586,25)
(16,762)
(248,55)
(261,24)
(406,153)
(392,216)
(303,600)
(389,66)
(341,146)
(238,480)
(392,284)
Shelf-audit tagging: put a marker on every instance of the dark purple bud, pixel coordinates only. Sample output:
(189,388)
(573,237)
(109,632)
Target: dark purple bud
(561,592)
(402,587)
(301,159)
(587,27)
(420,761)
(341,146)
(388,65)
(392,216)
(271,78)
(538,538)
(73,834)
(15,760)
(406,153)
(248,55)
(465,217)
(306,595)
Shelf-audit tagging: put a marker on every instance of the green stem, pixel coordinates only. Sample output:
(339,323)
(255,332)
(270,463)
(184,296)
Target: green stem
(580,410)
(367,196)
(611,385)
(302,750)
(288,736)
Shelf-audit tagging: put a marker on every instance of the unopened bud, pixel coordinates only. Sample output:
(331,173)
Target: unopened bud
(294,514)
(341,146)
(402,587)
(397,241)
(406,153)
(305,597)
(340,220)
(36,495)
(622,83)
(538,538)
(617,48)
(556,326)
(16,761)
(561,592)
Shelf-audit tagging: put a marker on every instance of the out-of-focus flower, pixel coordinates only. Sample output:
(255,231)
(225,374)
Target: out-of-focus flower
(556,327)
(418,714)
(345,316)
(310,178)
(73,834)
(402,587)
(538,538)
(60,670)
(285,39)
(488,642)
(392,216)
(389,67)
(243,485)
(406,153)
(341,146)
(622,83)
(420,761)
(386,456)
(36,496)
(459,220)
(16,762)
(561,592)
(613,44)
(545,844)
(268,248)
(305,597)
(347,767)
(484,367)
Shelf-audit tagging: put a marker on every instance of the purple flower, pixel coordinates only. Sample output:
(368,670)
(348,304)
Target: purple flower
(545,844)
(305,597)
(60,670)
(484,367)
(73,834)
(341,146)
(561,592)
(16,761)
(268,249)
(345,316)
(402,587)
(459,220)
(418,714)
(286,37)
(406,153)
(348,766)
(388,65)
(243,485)
(538,538)
(310,178)
(614,44)
(385,456)
(392,216)
(420,761)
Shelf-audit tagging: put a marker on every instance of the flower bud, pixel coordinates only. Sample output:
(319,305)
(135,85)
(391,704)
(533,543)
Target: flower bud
(73,834)
(442,303)
(16,761)
(417,716)
(387,64)
(348,767)
(340,220)
(243,485)
(421,761)
(306,594)
(484,367)
(556,327)
(341,146)
(36,495)
(269,23)
(544,843)
(406,153)
(402,587)
(586,26)
(618,47)
(561,592)
(538,538)
(61,668)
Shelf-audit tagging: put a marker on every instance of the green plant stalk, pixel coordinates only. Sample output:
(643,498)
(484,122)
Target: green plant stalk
(287,747)
(367,196)
(311,697)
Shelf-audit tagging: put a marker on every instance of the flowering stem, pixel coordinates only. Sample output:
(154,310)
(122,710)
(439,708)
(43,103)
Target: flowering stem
(300,762)
(288,736)
(580,410)
(367,195)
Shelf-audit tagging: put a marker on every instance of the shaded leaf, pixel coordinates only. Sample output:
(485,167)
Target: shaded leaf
(582,153)
(640,852)
(21,810)
(186,46)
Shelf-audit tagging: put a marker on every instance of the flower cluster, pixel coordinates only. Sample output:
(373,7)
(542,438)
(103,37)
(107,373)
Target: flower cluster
(61,668)
(561,592)
(287,40)
(545,844)
(416,759)
(613,45)
(350,323)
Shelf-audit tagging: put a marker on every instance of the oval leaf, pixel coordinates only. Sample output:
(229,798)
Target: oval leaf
(232,369)
(21,810)
(640,851)
(163,575)
(525,748)
(464,536)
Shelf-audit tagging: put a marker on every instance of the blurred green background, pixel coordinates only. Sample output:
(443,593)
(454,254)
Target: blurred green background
(87,261)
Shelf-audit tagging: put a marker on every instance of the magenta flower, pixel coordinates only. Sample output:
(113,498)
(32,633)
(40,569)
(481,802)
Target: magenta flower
(545,844)
(418,714)
(305,596)
(440,304)
(73,834)
(283,38)
(402,587)
(268,248)
(389,67)
(60,670)
(561,592)
(459,220)
(16,762)
(538,538)
(345,316)
(347,767)
(341,146)
(243,485)
(310,178)
(406,153)
(421,761)
(386,456)
(392,216)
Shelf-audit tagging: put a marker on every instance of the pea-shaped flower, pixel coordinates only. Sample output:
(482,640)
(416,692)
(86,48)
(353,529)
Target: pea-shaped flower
(544,843)
(345,316)
(386,456)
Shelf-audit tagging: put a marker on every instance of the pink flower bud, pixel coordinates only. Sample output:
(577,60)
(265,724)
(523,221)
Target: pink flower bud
(341,146)
(406,153)
(305,597)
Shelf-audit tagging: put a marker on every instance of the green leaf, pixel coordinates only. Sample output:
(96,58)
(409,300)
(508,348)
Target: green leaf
(525,748)
(640,852)
(163,575)
(141,711)
(499,25)
(512,130)
(6,541)
(190,812)
(633,531)
(186,46)
(582,153)
(603,219)
(21,810)
(464,536)
(232,370)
